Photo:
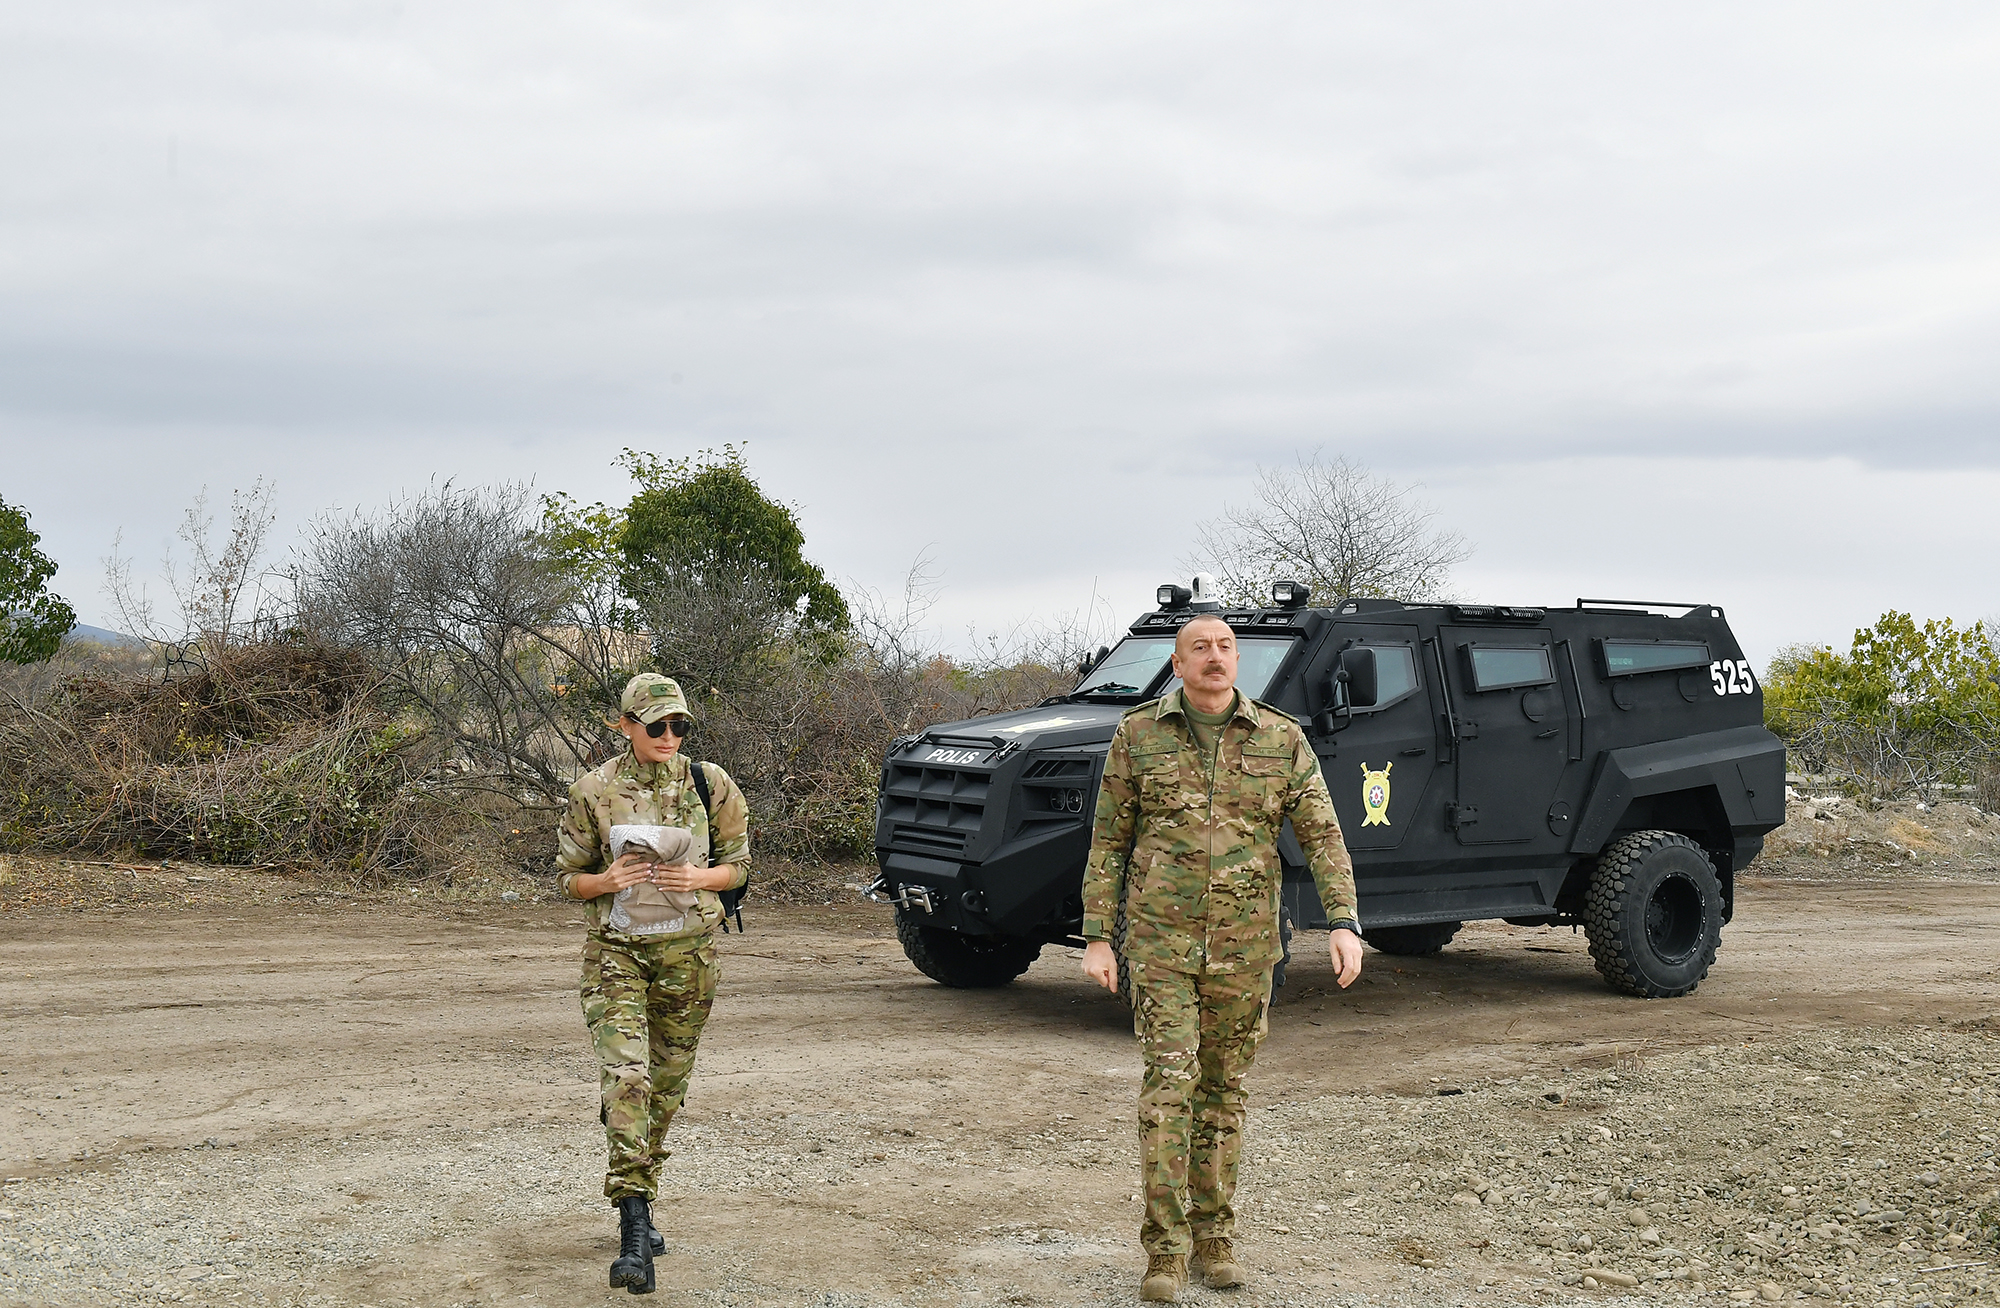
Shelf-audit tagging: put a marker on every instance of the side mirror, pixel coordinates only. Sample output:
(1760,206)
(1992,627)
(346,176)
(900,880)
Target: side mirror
(1357,671)
(1350,686)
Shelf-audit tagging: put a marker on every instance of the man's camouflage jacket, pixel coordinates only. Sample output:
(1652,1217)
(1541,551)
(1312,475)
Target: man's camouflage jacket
(1193,854)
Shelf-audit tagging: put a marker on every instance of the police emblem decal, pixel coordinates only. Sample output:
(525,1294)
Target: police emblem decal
(1375,795)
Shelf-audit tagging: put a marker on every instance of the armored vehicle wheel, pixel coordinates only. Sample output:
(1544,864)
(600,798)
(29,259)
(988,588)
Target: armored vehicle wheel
(1423,938)
(961,961)
(1653,914)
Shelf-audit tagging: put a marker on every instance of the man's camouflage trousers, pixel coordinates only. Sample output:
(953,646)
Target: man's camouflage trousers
(1199,1033)
(645,1005)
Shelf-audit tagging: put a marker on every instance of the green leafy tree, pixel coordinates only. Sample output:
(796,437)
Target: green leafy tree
(32,621)
(1907,709)
(715,571)
(705,517)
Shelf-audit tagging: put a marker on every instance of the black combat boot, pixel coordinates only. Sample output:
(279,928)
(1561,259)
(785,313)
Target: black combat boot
(633,1267)
(658,1241)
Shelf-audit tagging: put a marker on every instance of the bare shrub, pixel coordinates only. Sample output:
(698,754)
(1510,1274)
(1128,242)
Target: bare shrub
(222,591)
(509,661)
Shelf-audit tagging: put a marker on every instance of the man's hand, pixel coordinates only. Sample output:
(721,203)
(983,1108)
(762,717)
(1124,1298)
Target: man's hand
(1345,947)
(1101,965)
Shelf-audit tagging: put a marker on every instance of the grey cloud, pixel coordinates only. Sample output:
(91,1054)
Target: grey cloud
(948,254)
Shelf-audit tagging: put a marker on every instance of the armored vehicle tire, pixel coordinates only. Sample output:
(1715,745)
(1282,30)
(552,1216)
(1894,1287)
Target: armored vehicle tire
(1118,956)
(1653,914)
(961,961)
(1423,938)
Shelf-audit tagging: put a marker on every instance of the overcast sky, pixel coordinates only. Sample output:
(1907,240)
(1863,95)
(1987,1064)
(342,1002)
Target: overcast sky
(1691,302)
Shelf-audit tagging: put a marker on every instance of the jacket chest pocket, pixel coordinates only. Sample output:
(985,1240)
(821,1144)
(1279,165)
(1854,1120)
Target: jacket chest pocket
(1265,776)
(1157,776)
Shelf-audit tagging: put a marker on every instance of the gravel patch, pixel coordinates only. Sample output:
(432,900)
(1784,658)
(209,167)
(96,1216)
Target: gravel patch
(1855,1168)
(1852,1168)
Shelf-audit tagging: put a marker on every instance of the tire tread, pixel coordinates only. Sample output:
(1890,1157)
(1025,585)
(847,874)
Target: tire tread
(1417,941)
(948,958)
(1604,914)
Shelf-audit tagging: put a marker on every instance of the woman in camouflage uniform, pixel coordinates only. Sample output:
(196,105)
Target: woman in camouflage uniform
(649,962)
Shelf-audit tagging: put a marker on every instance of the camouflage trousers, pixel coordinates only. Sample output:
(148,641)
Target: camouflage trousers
(645,1005)
(1199,1033)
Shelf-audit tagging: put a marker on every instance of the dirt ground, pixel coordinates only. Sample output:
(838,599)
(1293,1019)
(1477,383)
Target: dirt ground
(236,1088)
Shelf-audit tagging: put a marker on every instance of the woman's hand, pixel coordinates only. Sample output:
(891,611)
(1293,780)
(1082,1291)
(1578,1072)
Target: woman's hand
(686,876)
(631,868)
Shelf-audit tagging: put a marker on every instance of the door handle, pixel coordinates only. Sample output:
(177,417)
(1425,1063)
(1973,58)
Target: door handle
(1414,753)
(1544,735)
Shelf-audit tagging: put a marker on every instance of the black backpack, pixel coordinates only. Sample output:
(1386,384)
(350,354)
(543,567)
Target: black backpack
(732,900)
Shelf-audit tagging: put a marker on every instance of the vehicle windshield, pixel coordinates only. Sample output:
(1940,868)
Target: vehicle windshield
(1130,668)
(1138,661)
(1256,663)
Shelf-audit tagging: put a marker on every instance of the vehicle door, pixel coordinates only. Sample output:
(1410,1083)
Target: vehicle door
(1378,769)
(1511,728)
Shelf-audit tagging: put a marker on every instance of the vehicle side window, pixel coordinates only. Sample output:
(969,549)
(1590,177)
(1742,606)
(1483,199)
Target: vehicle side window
(1395,675)
(1625,658)
(1500,668)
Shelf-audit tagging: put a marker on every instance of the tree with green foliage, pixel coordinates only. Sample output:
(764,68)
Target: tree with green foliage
(1908,709)
(33,621)
(705,517)
(710,567)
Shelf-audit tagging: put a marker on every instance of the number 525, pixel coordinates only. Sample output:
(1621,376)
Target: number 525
(1732,678)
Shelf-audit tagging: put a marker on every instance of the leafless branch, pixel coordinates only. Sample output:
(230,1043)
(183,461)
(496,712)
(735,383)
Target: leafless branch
(1329,523)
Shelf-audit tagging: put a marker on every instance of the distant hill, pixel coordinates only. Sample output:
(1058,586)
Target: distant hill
(99,636)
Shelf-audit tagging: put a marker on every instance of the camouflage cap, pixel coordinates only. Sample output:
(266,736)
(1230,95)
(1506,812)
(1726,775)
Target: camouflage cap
(650,697)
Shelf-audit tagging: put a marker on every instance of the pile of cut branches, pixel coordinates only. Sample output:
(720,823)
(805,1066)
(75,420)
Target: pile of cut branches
(270,753)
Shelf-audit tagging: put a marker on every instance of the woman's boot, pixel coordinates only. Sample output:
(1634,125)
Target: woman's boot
(633,1267)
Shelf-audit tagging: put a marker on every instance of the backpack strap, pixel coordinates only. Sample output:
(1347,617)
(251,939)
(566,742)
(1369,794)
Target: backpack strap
(732,900)
(700,775)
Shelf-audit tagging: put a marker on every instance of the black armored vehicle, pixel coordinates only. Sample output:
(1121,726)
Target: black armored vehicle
(1603,766)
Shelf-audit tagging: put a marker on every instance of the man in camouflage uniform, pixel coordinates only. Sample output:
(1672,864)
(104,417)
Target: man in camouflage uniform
(1196,787)
(648,984)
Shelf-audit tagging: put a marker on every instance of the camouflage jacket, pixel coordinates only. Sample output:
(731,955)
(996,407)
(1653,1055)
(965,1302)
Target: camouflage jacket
(626,790)
(1194,857)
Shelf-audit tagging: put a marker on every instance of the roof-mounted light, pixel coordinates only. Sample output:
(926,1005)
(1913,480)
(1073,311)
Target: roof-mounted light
(1171,596)
(1290,594)
(1495,613)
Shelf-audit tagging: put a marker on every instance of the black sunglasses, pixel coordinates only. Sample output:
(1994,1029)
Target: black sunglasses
(679,726)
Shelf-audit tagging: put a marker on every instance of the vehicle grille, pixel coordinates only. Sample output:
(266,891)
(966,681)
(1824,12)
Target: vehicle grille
(905,836)
(934,809)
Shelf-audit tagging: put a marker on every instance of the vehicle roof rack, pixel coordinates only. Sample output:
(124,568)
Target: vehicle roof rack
(1644,606)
